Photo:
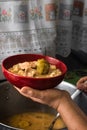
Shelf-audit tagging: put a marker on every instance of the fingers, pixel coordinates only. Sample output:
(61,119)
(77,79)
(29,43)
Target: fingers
(43,97)
(28,92)
(34,94)
(82,80)
(82,84)
(49,97)
(85,86)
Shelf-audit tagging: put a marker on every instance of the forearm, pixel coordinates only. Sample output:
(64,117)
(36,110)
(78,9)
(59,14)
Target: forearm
(73,117)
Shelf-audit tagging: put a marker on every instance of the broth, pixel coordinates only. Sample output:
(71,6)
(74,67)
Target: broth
(33,121)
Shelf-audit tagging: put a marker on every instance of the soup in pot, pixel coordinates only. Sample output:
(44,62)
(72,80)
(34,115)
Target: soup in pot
(34,121)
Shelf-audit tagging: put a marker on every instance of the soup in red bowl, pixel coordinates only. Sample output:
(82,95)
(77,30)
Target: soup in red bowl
(33,70)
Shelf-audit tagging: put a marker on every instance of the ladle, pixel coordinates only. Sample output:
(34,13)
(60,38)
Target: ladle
(73,96)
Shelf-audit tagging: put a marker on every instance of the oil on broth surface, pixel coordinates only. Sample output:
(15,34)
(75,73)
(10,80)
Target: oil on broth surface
(33,121)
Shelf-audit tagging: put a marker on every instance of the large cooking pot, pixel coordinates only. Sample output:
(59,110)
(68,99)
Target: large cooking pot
(11,102)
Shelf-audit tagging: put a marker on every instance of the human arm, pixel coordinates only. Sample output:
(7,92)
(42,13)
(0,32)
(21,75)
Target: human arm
(60,100)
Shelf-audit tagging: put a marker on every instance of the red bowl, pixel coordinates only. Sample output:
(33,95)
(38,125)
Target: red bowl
(37,83)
